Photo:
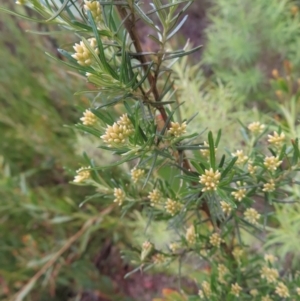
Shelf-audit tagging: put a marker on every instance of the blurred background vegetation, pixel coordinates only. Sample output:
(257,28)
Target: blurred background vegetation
(247,70)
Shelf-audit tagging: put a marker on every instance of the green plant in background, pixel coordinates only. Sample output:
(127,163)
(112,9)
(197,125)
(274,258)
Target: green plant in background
(247,39)
(218,207)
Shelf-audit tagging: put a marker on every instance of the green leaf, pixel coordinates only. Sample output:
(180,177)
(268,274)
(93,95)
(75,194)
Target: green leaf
(228,168)
(197,167)
(296,154)
(212,155)
(218,137)
(59,11)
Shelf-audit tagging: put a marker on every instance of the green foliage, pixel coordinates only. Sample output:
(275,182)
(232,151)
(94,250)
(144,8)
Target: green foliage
(247,39)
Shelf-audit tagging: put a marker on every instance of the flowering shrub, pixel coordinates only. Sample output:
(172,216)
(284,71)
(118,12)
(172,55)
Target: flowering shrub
(219,205)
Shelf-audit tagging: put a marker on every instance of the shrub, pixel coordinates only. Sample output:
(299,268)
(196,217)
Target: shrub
(219,207)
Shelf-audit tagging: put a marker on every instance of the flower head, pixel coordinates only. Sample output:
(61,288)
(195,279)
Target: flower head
(176,129)
(174,247)
(215,240)
(210,179)
(136,174)
(271,163)
(237,253)
(82,54)
(269,186)
(270,258)
(191,235)
(239,194)
(118,133)
(222,271)
(172,207)
(251,168)
(147,248)
(254,292)
(205,151)
(154,196)
(95,8)
(158,258)
(82,175)
(252,216)
(282,290)
(256,127)
(241,157)
(235,289)
(88,118)
(276,139)
(206,288)
(269,274)
(21,2)
(119,196)
(226,208)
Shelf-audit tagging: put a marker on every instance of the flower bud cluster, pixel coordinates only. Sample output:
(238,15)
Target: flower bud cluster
(176,129)
(119,196)
(82,54)
(172,207)
(88,118)
(117,134)
(252,216)
(210,179)
(95,9)
(155,197)
(82,175)
(137,174)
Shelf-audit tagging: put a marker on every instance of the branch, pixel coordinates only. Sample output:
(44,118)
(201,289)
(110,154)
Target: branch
(28,287)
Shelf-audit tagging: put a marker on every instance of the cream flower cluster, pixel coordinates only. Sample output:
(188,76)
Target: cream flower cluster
(89,118)
(282,290)
(239,194)
(251,168)
(235,289)
(222,271)
(137,174)
(158,258)
(119,196)
(276,139)
(215,240)
(270,274)
(155,197)
(269,186)
(174,247)
(254,292)
(82,54)
(118,133)
(237,253)
(256,127)
(176,129)
(270,258)
(271,163)
(226,208)
(252,216)
(210,179)
(191,235)
(206,152)
(82,175)
(242,158)
(172,207)
(95,8)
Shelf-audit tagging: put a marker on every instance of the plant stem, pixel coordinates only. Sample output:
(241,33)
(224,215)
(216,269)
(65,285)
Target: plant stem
(28,287)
